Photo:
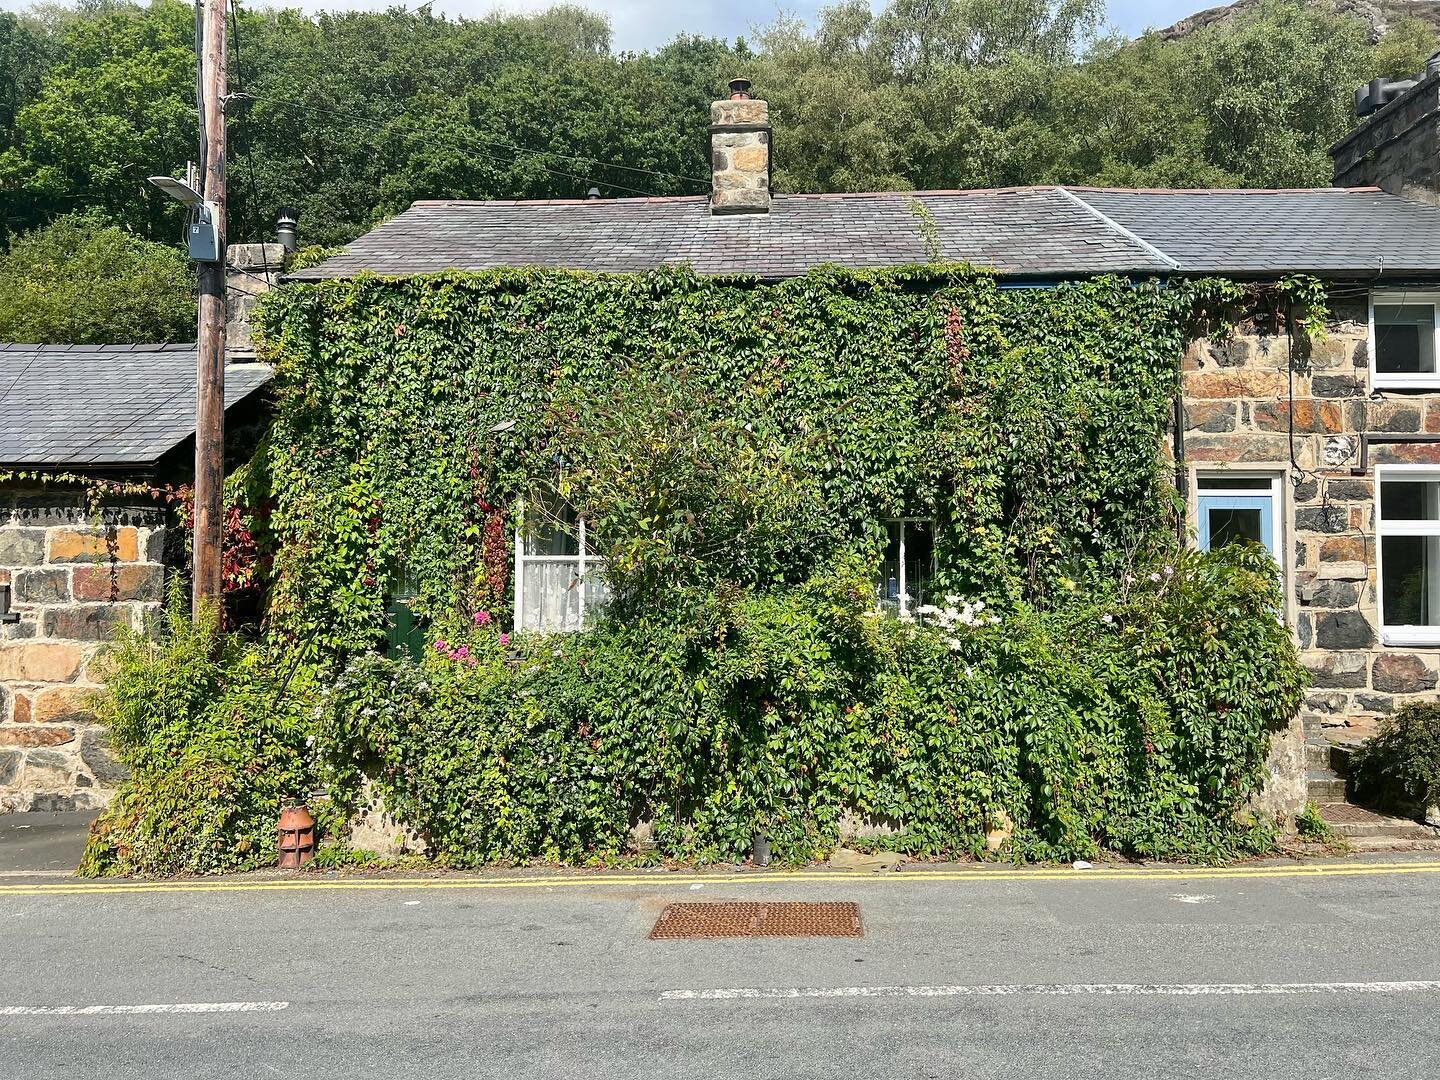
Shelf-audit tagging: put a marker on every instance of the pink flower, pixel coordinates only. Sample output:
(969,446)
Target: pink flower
(461,653)
(442,646)
(504,639)
(482,618)
(474,661)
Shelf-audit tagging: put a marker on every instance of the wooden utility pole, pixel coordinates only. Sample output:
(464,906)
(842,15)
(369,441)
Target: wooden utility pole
(210,381)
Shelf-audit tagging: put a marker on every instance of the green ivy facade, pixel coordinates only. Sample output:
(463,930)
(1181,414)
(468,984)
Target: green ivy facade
(737,448)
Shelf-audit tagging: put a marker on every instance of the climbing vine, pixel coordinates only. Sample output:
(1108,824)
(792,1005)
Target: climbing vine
(738,450)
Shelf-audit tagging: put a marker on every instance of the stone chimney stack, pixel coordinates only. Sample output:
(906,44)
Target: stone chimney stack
(250,269)
(740,153)
(1396,146)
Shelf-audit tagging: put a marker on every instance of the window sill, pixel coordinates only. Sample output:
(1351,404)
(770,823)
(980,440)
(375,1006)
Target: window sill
(1405,382)
(1410,637)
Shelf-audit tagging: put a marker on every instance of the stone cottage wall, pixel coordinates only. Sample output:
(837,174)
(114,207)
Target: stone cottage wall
(1243,399)
(74,574)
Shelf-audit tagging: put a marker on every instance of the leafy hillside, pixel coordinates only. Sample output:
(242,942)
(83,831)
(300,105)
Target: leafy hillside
(1379,16)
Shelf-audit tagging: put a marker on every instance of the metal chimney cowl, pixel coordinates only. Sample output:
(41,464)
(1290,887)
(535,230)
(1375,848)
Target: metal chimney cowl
(287,223)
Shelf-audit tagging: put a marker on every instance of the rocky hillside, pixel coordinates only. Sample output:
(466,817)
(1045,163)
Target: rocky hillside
(1379,15)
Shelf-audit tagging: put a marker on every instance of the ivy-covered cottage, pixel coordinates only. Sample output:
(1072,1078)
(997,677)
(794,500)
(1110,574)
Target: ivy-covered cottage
(861,504)
(1323,447)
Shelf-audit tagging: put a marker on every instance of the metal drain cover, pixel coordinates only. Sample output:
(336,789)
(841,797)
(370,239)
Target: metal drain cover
(736,920)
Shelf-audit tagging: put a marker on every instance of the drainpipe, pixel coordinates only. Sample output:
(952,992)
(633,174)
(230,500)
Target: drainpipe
(1182,474)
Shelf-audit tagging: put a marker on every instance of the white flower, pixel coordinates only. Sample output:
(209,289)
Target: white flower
(1107,618)
(1155,577)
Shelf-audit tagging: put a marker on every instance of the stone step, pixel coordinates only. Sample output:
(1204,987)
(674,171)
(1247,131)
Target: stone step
(1326,754)
(1355,822)
(1322,785)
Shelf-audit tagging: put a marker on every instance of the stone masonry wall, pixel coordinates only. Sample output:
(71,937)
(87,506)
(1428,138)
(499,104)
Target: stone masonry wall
(1398,148)
(1241,399)
(74,574)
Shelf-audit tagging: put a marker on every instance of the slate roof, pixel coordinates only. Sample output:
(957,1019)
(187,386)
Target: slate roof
(96,406)
(1360,231)
(1037,233)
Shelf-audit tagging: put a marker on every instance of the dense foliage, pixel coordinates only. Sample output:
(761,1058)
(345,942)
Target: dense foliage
(737,449)
(786,712)
(352,115)
(754,434)
(1400,767)
(84,281)
(214,731)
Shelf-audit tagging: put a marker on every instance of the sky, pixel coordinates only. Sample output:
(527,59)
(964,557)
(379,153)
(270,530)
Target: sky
(643,24)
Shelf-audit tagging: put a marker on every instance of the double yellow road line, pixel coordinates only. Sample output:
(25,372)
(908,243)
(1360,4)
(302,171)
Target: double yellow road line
(661,881)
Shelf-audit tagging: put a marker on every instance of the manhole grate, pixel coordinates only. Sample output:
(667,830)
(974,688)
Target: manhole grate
(733,920)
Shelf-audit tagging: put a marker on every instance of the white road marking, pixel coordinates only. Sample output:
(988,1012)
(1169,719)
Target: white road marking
(144,1010)
(1193,898)
(1055,990)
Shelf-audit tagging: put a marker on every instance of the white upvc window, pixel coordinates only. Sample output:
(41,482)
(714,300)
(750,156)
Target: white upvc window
(1404,334)
(908,566)
(1407,522)
(558,576)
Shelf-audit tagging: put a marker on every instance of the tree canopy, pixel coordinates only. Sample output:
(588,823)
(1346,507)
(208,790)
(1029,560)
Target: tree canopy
(83,281)
(350,116)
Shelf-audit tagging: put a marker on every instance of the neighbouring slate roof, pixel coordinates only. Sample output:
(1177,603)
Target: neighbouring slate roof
(76,406)
(1044,232)
(1359,231)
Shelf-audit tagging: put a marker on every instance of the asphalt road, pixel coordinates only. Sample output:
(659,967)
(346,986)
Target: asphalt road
(974,975)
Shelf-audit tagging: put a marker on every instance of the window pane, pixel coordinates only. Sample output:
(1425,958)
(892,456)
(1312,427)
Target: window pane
(1410,500)
(1411,567)
(919,560)
(551,599)
(597,593)
(1404,338)
(889,588)
(551,530)
(919,566)
(1234,526)
(1235,483)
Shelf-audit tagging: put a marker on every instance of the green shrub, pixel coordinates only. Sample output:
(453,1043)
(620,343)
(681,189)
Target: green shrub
(1309,825)
(214,730)
(788,711)
(84,280)
(1400,766)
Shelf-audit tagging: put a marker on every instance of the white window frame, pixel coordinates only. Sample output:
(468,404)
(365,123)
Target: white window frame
(1403,381)
(584,563)
(1401,634)
(905,613)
